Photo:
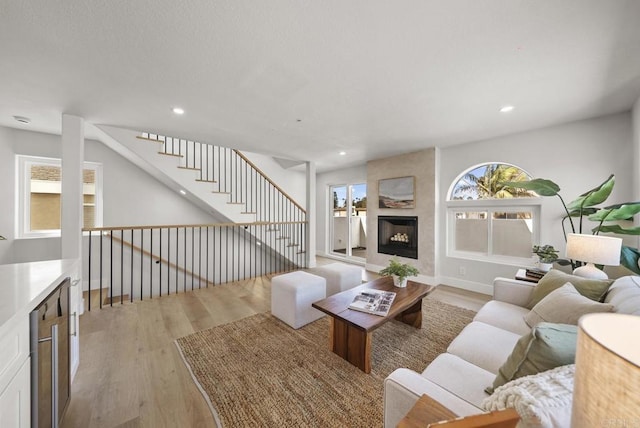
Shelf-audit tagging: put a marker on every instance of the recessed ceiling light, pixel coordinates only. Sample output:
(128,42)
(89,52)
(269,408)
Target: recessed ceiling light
(178,110)
(506,109)
(342,153)
(182,192)
(22,119)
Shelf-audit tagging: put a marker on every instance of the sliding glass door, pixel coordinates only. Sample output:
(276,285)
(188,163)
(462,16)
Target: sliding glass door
(348,224)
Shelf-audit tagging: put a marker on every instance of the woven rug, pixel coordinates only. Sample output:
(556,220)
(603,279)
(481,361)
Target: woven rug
(260,372)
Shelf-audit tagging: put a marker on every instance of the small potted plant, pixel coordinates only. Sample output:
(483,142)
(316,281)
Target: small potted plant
(399,271)
(547,255)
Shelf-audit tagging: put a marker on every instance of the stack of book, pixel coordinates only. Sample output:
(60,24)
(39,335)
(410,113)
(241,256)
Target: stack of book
(534,273)
(529,274)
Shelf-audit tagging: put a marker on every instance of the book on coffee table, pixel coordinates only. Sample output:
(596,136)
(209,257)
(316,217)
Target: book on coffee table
(372,301)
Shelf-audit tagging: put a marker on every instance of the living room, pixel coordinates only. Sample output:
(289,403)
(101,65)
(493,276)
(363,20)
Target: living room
(357,92)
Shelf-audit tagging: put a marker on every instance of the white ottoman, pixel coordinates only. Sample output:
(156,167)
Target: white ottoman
(292,295)
(339,276)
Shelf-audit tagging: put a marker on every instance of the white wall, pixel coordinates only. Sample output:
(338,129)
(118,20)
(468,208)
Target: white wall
(351,175)
(131,196)
(293,182)
(577,156)
(6,195)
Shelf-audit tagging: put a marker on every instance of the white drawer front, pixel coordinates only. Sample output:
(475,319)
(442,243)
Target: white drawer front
(14,349)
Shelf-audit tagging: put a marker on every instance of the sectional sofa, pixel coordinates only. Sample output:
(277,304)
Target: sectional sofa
(458,378)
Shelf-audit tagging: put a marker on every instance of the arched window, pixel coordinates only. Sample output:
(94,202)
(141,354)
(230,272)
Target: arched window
(488,220)
(486,181)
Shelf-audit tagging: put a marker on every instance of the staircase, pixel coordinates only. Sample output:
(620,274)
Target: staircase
(263,230)
(217,179)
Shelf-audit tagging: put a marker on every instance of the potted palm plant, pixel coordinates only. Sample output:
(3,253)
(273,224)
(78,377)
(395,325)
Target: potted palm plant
(399,271)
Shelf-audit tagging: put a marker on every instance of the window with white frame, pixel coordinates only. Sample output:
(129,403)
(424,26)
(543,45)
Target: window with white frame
(487,220)
(39,182)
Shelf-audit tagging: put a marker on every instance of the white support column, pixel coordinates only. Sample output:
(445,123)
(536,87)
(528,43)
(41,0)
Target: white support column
(311,213)
(72,199)
(635,123)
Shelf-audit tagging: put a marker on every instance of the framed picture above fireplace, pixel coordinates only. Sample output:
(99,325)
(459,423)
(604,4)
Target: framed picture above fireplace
(396,192)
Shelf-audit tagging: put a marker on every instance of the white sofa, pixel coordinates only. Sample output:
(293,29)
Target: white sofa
(458,378)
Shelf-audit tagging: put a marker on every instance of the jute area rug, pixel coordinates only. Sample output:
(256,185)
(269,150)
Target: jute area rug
(259,372)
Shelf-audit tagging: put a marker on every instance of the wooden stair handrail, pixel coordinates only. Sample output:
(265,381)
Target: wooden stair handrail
(182,226)
(270,181)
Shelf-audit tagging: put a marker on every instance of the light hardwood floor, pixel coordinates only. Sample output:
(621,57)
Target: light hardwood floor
(131,374)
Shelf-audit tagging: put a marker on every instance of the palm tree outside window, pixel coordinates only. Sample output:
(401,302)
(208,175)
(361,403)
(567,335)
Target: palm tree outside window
(489,220)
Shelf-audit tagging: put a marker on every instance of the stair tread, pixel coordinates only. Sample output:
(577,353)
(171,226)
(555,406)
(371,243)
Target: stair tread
(170,154)
(206,181)
(149,139)
(189,168)
(223,193)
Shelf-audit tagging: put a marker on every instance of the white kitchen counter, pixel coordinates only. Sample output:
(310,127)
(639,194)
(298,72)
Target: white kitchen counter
(24,285)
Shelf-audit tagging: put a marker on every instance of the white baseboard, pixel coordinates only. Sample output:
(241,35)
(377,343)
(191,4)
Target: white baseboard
(342,259)
(467,285)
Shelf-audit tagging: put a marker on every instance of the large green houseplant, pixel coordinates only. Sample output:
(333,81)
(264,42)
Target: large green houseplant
(585,206)
(399,271)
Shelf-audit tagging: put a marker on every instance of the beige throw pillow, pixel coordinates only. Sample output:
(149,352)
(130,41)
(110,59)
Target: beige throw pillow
(564,305)
(594,289)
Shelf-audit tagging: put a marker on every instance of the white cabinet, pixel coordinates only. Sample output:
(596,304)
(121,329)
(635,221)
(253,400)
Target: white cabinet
(23,287)
(15,400)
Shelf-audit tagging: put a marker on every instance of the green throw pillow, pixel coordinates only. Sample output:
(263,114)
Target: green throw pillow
(548,346)
(594,289)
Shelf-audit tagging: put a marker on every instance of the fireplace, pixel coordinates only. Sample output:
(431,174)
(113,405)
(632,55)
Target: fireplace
(398,236)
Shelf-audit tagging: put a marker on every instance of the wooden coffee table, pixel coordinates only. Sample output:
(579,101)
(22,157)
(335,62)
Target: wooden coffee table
(350,331)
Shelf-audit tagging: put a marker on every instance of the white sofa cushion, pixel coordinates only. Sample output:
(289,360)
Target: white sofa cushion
(484,345)
(505,316)
(459,377)
(624,295)
(403,387)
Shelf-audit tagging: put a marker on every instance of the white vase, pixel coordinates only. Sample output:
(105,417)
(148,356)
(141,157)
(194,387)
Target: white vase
(545,267)
(398,283)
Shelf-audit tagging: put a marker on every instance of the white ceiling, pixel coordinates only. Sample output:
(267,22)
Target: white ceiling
(306,79)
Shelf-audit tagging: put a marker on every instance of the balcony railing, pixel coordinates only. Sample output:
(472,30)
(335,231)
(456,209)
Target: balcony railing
(130,263)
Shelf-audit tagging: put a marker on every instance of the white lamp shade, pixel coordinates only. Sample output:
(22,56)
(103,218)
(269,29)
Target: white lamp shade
(596,249)
(606,389)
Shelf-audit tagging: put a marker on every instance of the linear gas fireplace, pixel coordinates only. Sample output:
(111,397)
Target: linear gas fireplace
(398,236)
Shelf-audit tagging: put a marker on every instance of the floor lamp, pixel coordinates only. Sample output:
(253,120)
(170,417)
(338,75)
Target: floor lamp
(593,250)
(606,390)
